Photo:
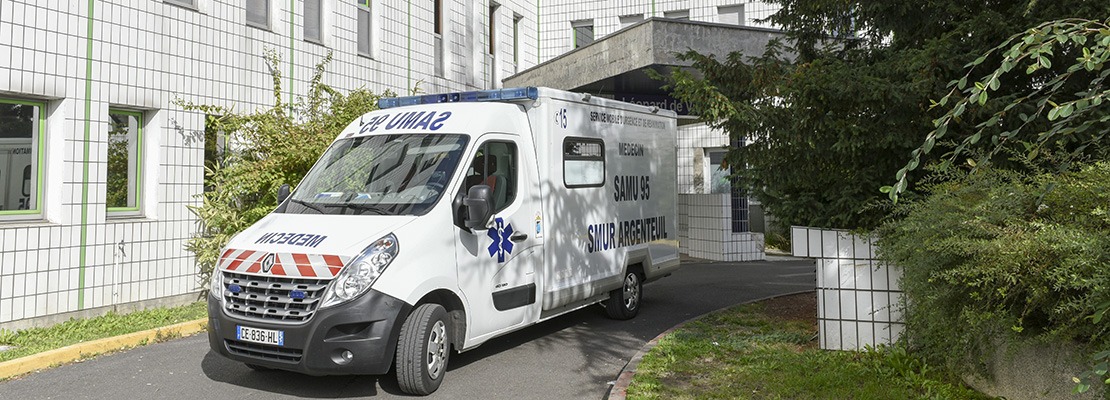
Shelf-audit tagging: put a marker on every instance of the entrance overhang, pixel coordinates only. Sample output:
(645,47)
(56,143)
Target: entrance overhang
(614,66)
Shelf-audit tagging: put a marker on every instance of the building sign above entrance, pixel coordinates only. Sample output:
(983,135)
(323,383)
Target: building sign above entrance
(664,102)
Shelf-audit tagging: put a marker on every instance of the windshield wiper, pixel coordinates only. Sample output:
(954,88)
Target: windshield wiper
(309,205)
(366,207)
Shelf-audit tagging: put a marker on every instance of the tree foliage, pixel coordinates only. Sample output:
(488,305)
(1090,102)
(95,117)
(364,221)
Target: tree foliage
(829,117)
(1061,106)
(266,149)
(1038,97)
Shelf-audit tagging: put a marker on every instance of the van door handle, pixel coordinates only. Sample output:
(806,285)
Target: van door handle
(517,237)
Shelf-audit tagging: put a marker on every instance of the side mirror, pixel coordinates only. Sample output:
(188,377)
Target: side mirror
(283,193)
(479,207)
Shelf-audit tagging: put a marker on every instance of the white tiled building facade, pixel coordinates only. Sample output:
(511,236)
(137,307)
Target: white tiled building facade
(558,18)
(88,87)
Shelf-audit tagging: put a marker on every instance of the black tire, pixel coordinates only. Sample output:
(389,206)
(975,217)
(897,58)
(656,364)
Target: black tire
(624,302)
(423,350)
(257,367)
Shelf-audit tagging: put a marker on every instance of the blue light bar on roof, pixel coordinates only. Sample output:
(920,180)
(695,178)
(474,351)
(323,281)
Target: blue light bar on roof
(477,95)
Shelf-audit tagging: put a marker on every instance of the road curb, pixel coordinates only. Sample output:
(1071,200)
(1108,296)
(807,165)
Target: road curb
(83,350)
(620,388)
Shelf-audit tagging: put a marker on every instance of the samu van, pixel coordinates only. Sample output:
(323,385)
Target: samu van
(441,221)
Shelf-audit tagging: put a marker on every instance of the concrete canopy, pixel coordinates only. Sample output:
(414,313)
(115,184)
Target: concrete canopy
(614,65)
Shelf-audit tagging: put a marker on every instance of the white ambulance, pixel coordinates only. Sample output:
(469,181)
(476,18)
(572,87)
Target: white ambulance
(442,221)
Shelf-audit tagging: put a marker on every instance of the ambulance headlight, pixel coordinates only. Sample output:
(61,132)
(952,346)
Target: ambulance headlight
(216,284)
(357,276)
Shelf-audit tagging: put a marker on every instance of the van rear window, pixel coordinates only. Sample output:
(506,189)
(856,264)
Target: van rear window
(583,162)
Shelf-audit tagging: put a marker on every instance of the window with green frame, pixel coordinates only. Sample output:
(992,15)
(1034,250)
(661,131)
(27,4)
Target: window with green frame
(365,28)
(22,148)
(125,158)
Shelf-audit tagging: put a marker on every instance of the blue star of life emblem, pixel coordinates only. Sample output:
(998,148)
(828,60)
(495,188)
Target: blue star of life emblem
(500,234)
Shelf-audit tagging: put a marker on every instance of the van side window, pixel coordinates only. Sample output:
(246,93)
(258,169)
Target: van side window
(583,162)
(495,166)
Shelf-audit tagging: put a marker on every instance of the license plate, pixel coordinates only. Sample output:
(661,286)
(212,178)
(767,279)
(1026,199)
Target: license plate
(264,336)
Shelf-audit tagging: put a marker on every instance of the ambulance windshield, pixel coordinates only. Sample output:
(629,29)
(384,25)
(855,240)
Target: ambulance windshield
(379,175)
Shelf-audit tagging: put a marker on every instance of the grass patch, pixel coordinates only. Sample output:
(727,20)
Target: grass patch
(744,353)
(36,340)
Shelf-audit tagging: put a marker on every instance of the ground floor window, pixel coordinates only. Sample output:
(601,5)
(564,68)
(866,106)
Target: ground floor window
(125,155)
(22,126)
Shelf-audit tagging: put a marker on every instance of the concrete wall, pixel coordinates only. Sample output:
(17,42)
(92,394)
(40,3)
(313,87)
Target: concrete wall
(705,219)
(705,230)
(858,297)
(1030,369)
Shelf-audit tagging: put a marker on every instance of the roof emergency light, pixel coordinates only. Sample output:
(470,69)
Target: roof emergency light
(472,96)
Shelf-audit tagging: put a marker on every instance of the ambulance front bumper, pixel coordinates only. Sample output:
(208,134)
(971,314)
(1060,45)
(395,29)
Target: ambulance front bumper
(353,338)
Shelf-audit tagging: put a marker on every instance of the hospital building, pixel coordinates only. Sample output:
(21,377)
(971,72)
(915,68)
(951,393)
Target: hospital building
(99,162)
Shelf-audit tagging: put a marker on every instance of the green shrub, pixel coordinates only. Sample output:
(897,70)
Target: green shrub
(777,236)
(266,149)
(999,251)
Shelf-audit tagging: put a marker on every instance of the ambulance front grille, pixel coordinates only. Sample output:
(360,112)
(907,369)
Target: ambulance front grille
(272,299)
(268,352)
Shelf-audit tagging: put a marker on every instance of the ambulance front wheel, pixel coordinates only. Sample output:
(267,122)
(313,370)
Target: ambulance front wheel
(423,349)
(624,302)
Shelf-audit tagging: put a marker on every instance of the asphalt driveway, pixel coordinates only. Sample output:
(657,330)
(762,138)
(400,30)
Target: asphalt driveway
(575,356)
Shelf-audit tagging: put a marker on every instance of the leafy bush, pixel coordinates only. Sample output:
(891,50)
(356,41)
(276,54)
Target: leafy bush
(266,149)
(999,251)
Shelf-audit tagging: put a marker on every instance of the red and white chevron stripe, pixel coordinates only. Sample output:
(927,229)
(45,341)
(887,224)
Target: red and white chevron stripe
(293,265)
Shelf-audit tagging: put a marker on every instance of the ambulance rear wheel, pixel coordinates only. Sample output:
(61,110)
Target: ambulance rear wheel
(624,302)
(423,350)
